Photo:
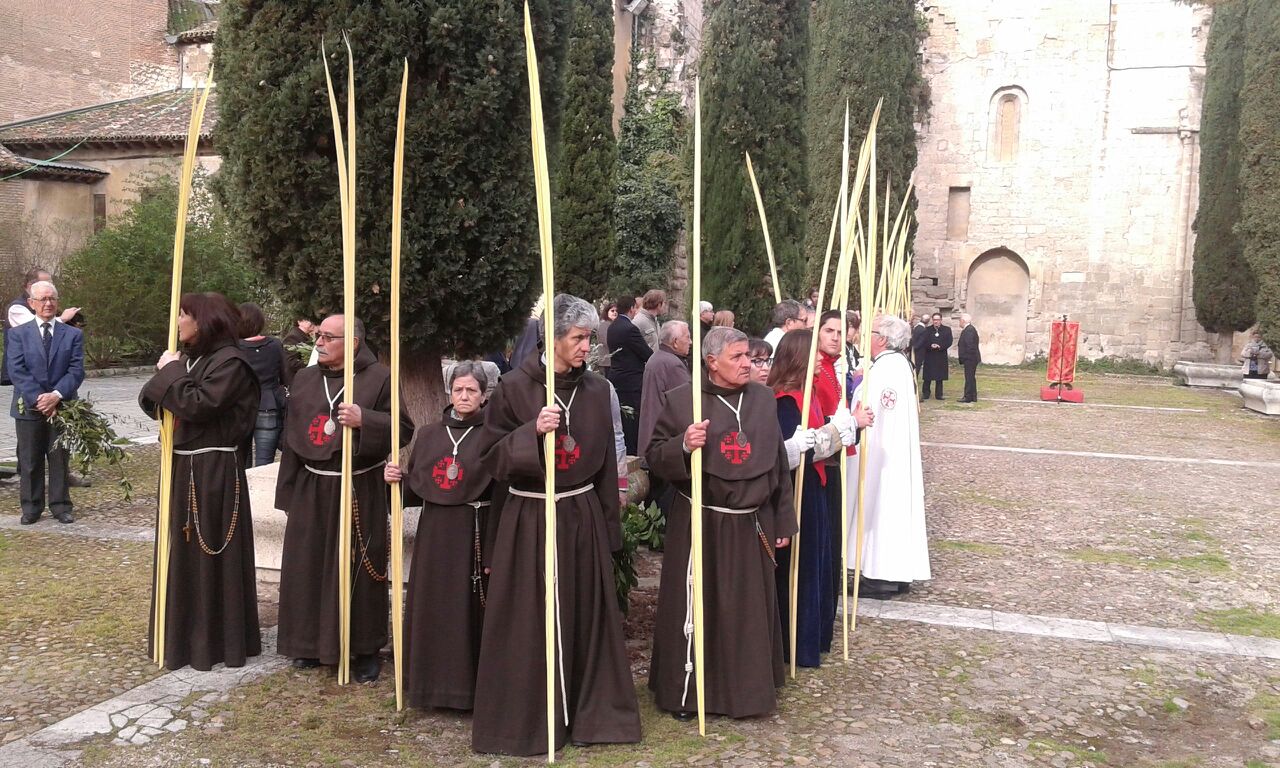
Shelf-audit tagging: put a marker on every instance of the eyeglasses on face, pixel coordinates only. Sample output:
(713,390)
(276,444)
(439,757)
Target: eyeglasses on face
(45,299)
(761,362)
(327,338)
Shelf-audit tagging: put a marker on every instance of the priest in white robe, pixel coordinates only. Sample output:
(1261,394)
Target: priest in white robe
(895,546)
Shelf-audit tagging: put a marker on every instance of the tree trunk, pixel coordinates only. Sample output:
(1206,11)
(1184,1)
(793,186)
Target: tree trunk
(422,386)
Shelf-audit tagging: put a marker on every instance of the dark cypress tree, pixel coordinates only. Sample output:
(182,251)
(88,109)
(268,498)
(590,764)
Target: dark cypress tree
(1260,162)
(647,212)
(1224,287)
(859,51)
(470,260)
(753,67)
(588,152)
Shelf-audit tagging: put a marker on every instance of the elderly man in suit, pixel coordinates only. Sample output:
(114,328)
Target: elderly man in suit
(46,362)
(970,356)
(628,353)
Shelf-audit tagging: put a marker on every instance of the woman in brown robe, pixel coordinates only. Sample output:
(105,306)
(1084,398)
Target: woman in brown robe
(595,691)
(211,612)
(446,584)
(307,489)
(747,513)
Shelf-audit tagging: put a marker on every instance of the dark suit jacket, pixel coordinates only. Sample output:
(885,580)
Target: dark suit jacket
(629,352)
(917,343)
(34,375)
(967,347)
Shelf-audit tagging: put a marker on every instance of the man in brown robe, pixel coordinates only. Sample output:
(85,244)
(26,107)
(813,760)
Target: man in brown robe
(595,697)
(747,513)
(308,491)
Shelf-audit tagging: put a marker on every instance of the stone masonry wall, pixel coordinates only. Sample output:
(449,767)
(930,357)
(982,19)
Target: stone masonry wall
(1098,198)
(74,53)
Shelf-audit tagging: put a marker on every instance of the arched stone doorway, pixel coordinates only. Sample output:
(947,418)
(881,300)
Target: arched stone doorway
(998,288)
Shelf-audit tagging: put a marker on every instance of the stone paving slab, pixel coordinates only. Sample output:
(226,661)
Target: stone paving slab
(1190,640)
(90,529)
(165,705)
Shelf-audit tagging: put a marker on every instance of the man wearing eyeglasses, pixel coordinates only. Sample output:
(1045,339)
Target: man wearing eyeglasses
(45,359)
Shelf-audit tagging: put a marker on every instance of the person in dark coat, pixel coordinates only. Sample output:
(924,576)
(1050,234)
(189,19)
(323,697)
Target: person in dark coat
(970,357)
(446,599)
(666,370)
(916,355)
(747,514)
(270,363)
(303,332)
(595,699)
(45,358)
(211,613)
(628,353)
(937,340)
(307,490)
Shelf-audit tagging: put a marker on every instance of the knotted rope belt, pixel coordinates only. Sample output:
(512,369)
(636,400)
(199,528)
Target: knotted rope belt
(193,506)
(355,516)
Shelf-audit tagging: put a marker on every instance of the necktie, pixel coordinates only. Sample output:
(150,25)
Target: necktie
(47,333)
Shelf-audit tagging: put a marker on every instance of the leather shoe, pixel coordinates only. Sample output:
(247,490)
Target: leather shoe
(684,717)
(64,517)
(366,668)
(29,519)
(306,663)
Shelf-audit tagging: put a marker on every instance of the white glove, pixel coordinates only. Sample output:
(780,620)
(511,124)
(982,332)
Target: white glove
(842,419)
(841,364)
(803,439)
(848,436)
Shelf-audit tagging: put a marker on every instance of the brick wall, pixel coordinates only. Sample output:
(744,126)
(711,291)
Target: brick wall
(74,53)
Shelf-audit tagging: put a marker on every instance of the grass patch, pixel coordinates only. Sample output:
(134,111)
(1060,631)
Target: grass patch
(1171,708)
(976,547)
(1242,621)
(1210,562)
(1047,747)
(1267,707)
(973,498)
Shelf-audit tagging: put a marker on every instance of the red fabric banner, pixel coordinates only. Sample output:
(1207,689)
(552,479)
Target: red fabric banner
(1063,340)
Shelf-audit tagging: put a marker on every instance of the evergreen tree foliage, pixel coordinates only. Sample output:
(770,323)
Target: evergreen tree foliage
(588,153)
(647,211)
(859,52)
(1260,161)
(121,270)
(1224,287)
(753,71)
(470,261)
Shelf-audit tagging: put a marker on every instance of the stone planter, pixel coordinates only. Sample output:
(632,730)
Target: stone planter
(1261,395)
(269,522)
(1208,375)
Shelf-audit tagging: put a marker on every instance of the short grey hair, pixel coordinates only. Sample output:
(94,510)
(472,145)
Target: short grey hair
(895,331)
(787,309)
(471,368)
(572,312)
(720,337)
(967,318)
(44,284)
(670,330)
(705,306)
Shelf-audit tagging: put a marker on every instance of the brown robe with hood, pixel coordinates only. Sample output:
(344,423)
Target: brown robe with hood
(212,600)
(308,564)
(510,704)
(743,642)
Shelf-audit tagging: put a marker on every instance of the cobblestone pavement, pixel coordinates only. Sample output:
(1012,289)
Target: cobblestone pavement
(1112,542)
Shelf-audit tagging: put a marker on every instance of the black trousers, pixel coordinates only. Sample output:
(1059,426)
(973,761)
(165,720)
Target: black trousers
(970,381)
(35,450)
(630,423)
(924,391)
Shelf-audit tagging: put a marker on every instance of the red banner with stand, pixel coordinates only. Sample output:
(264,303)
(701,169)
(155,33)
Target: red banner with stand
(1064,338)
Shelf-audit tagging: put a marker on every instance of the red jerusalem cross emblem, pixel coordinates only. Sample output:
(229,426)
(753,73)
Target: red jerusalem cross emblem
(888,399)
(566,458)
(447,473)
(316,431)
(735,451)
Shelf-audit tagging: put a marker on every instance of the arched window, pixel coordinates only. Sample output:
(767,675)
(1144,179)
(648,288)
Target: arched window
(1007,107)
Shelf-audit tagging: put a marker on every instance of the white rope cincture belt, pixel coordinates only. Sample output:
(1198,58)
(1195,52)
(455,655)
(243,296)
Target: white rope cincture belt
(564,695)
(688,589)
(210,449)
(478,504)
(338,473)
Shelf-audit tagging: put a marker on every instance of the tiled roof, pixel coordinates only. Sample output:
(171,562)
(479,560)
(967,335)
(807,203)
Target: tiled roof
(158,118)
(15,165)
(203,32)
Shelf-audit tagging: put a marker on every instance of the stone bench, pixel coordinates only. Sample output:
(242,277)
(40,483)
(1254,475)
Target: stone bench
(1261,395)
(269,522)
(1208,375)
